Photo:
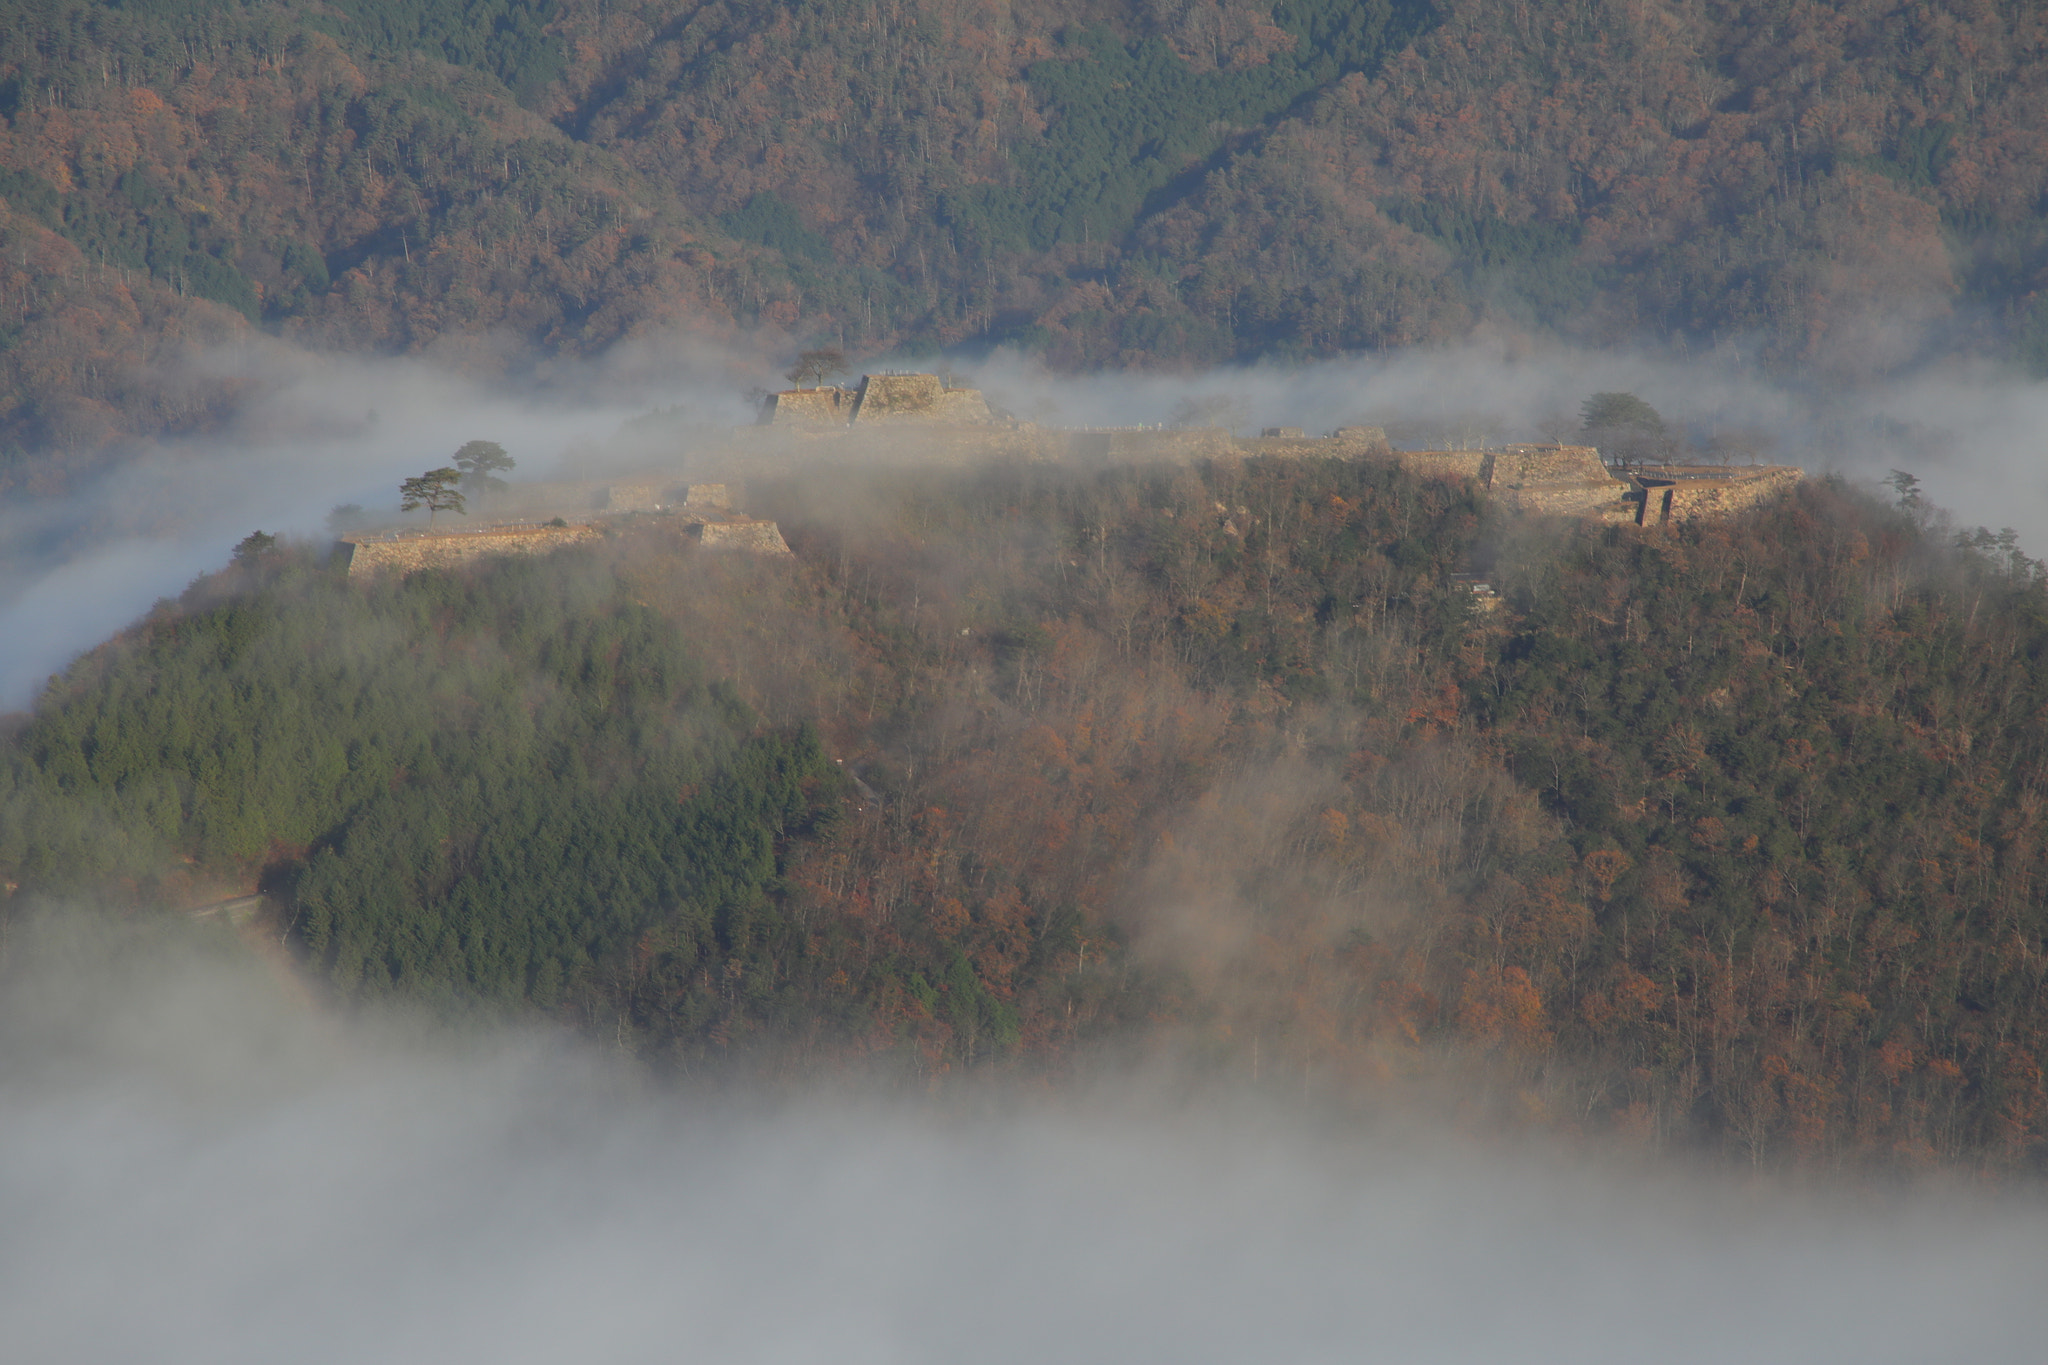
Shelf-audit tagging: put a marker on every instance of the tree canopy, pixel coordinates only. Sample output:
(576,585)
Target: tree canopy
(480,463)
(1627,429)
(1139,187)
(1720,834)
(436,490)
(815,367)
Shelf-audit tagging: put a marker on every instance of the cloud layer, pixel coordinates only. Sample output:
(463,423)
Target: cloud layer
(193,1167)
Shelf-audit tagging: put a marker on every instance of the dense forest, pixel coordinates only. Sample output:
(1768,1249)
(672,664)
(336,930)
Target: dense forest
(1724,836)
(1836,190)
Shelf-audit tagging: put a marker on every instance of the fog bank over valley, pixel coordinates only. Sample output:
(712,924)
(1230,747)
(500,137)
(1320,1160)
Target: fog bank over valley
(197,1167)
(318,431)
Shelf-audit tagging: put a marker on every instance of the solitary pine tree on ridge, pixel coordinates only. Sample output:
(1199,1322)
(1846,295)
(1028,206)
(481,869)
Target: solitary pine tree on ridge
(434,490)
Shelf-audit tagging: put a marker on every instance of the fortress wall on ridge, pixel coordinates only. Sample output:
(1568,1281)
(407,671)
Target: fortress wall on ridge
(408,553)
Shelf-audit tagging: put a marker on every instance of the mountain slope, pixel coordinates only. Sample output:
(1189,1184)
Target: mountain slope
(1728,836)
(1839,190)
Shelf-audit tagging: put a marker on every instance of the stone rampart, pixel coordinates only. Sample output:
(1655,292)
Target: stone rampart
(1372,439)
(1445,464)
(408,553)
(808,408)
(1552,480)
(921,398)
(1558,481)
(1693,492)
(1609,501)
(743,534)
(1532,466)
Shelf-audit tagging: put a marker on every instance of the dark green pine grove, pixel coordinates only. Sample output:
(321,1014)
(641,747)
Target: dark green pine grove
(479,789)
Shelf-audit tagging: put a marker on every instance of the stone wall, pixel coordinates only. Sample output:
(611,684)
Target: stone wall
(1609,501)
(1373,440)
(741,533)
(1530,466)
(1687,493)
(410,552)
(1445,464)
(1554,480)
(916,398)
(1559,481)
(808,408)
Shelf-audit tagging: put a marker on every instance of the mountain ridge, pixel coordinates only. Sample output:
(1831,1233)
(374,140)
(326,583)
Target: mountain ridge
(1839,193)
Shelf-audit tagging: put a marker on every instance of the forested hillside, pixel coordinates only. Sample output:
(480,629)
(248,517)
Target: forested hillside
(1839,190)
(468,789)
(1726,836)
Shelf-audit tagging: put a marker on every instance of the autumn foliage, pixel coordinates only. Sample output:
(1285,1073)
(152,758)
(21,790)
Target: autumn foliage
(1837,189)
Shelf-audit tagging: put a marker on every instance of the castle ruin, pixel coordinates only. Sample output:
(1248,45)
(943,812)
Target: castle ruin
(702,511)
(405,552)
(1562,480)
(891,399)
(925,420)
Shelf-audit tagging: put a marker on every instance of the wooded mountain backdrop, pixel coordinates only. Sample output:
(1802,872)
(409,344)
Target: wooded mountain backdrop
(1836,188)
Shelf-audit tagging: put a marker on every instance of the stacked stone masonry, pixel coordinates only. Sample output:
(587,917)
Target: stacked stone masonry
(1573,481)
(821,408)
(409,553)
(1680,494)
(881,399)
(912,420)
(742,533)
(1552,480)
(917,398)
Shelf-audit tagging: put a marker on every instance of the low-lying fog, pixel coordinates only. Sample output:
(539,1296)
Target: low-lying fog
(195,1167)
(319,431)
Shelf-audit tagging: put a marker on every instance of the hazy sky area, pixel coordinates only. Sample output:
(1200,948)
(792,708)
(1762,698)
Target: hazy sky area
(195,1168)
(324,430)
